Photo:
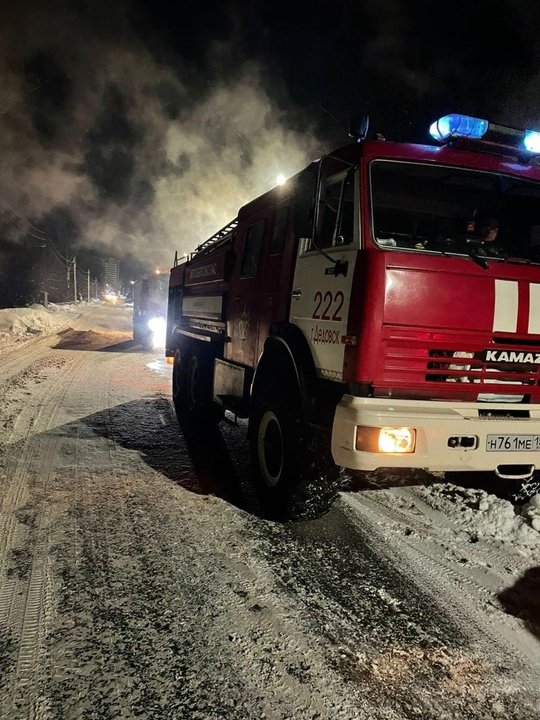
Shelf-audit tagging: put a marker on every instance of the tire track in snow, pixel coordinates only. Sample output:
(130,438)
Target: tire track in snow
(24,608)
(384,629)
(17,450)
(469,600)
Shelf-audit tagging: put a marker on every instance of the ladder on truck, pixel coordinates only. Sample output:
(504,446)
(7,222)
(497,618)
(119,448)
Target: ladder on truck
(212,242)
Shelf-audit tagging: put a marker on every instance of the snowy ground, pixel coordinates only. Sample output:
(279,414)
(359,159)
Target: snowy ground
(19,325)
(138,579)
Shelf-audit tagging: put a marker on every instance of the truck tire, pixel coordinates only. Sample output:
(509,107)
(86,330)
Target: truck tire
(293,471)
(192,388)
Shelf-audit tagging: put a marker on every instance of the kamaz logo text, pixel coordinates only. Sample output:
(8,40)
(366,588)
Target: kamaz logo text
(512,356)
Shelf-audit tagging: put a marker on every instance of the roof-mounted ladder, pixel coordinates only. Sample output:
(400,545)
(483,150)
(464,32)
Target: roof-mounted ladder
(213,241)
(220,235)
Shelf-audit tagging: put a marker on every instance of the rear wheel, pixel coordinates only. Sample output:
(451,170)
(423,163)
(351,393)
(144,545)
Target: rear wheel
(192,387)
(293,470)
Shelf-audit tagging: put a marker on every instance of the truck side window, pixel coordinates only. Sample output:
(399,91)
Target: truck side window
(336,211)
(252,249)
(280,229)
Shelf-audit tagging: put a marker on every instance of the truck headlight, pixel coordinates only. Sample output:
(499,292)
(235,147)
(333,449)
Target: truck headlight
(385,439)
(157,327)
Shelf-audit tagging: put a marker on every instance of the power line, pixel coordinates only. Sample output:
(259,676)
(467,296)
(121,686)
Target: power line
(44,234)
(68,263)
(20,217)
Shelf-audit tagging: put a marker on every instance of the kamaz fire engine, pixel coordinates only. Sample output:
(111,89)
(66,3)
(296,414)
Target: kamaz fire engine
(360,320)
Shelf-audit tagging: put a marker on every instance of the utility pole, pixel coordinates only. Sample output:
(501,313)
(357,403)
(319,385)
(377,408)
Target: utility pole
(75,277)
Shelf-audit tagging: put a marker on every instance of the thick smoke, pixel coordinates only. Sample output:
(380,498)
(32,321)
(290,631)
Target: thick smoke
(148,153)
(144,159)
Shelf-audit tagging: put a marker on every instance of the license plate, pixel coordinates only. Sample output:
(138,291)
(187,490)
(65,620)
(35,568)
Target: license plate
(513,443)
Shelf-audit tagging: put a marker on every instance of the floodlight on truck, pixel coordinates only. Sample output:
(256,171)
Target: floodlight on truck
(531,141)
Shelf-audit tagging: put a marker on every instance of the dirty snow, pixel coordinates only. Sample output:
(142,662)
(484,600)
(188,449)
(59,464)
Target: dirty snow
(479,515)
(18,325)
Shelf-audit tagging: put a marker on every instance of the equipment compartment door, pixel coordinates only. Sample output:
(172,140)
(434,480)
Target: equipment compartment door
(244,294)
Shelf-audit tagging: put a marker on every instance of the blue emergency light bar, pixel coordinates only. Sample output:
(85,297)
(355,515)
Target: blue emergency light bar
(457,126)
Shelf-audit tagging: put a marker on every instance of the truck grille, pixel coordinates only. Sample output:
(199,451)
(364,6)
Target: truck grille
(457,366)
(413,362)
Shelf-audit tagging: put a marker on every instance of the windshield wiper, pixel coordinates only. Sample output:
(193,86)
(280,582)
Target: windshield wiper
(477,259)
(469,248)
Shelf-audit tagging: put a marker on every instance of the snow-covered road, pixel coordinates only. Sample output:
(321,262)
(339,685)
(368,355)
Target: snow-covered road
(138,580)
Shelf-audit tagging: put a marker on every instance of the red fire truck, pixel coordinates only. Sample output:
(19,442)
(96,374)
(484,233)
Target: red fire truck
(360,317)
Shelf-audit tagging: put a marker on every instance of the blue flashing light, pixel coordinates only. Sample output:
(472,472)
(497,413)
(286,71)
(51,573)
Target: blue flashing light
(531,141)
(458,126)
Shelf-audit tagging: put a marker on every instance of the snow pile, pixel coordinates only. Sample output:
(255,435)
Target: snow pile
(18,324)
(481,515)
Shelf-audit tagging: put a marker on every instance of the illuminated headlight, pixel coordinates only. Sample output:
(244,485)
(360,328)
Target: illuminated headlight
(385,439)
(157,327)
(156,324)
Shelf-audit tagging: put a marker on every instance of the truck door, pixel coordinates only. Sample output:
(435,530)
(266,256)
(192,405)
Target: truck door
(324,269)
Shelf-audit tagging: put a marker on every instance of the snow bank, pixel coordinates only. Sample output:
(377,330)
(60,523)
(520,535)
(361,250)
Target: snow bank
(19,324)
(482,515)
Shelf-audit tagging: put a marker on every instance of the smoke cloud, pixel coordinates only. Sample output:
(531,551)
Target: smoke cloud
(145,157)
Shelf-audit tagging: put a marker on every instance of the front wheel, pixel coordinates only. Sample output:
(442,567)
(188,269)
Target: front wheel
(293,470)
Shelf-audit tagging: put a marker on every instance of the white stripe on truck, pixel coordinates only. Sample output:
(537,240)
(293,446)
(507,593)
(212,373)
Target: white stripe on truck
(505,314)
(534,309)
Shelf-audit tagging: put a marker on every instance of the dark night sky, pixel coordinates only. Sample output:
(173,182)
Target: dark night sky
(147,123)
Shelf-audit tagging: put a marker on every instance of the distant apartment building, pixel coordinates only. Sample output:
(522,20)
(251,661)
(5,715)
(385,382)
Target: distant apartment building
(111,274)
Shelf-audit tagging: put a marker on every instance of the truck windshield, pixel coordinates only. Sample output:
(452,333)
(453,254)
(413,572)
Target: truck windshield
(438,208)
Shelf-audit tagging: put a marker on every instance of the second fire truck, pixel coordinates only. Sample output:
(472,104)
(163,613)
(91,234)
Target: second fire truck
(360,318)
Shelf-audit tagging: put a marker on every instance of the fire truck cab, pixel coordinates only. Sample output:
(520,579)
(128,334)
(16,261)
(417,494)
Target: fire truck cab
(360,317)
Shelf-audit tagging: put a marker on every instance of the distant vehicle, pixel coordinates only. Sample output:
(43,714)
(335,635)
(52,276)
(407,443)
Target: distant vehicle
(112,297)
(150,310)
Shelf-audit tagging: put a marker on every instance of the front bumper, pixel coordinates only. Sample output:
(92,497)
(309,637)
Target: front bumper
(435,422)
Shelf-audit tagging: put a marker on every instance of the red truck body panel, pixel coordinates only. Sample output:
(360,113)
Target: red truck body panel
(410,311)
